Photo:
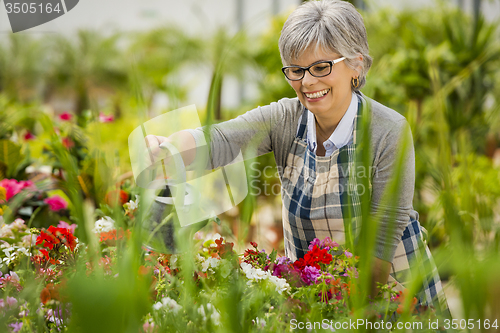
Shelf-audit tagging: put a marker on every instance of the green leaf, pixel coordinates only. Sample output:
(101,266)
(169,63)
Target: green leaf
(10,155)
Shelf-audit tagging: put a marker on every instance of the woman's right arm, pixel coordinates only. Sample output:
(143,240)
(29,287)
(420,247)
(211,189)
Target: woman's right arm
(259,131)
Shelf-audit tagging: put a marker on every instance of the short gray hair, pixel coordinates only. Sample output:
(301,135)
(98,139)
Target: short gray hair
(331,25)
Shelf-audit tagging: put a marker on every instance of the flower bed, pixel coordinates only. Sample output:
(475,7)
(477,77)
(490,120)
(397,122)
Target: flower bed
(51,281)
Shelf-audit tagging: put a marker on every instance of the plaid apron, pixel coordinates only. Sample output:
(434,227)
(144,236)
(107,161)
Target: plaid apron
(314,194)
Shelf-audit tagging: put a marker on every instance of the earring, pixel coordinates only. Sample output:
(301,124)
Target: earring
(355,82)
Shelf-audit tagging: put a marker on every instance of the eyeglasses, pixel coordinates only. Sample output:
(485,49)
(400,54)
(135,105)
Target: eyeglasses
(318,69)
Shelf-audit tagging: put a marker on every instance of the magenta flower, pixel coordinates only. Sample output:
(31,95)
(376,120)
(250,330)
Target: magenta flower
(106,119)
(65,116)
(66,225)
(56,203)
(314,242)
(28,136)
(16,327)
(310,274)
(13,187)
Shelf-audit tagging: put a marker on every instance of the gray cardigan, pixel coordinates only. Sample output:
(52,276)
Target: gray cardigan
(272,128)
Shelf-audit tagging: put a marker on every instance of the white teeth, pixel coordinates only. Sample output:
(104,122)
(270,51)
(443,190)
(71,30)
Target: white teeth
(317,94)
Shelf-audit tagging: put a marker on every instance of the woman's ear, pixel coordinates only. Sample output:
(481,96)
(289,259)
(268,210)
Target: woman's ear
(359,64)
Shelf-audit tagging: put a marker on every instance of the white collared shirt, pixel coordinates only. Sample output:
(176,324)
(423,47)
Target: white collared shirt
(341,136)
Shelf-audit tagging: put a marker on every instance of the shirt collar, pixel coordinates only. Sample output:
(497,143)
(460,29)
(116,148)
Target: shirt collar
(342,133)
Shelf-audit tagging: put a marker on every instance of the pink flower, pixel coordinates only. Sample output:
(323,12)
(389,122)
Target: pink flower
(348,254)
(106,119)
(13,187)
(66,116)
(56,203)
(28,136)
(65,225)
(11,301)
(148,327)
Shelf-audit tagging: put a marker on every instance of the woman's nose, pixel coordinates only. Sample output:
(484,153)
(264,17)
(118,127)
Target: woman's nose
(308,79)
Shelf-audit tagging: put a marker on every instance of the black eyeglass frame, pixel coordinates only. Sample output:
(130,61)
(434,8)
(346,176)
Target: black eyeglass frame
(331,62)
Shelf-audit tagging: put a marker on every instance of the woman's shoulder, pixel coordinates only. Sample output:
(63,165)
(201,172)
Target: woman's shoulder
(382,114)
(387,125)
(287,106)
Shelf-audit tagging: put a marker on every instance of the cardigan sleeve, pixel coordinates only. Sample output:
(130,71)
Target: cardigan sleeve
(257,132)
(394,160)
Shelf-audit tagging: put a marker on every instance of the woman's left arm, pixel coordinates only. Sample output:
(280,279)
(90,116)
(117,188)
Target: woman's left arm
(394,144)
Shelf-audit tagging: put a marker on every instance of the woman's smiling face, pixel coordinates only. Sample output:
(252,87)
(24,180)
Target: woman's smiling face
(327,96)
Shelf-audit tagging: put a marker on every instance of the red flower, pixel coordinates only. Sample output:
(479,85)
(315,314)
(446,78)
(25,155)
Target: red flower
(225,249)
(401,300)
(49,292)
(67,142)
(116,197)
(313,258)
(253,244)
(55,236)
(317,256)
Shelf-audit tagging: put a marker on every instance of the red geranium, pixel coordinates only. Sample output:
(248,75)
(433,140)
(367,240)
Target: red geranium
(317,256)
(55,236)
(313,258)
(224,249)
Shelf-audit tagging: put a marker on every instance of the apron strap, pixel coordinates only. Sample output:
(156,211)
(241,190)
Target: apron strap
(303,124)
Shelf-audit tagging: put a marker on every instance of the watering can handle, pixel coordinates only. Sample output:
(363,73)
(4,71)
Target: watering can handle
(180,174)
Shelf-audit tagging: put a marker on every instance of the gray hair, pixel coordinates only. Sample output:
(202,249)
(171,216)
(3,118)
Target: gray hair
(331,25)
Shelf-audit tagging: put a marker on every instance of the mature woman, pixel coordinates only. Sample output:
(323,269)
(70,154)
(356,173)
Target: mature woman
(315,137)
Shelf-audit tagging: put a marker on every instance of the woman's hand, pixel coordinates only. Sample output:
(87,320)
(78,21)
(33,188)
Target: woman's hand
(183,141)
(155,153)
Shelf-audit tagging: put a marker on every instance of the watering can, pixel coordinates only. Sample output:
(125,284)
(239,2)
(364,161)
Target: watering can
(162,226)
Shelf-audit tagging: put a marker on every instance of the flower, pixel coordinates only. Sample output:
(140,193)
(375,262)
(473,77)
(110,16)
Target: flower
(310,274)
(132,205)
(67,142)
(16,327)
(256,274)
(106,119)
(3,193)
(402,299)
(65,116)
(28,136)
(317,256)
(348,254)
(215,316)
(224,249)
(13,187)
(104,224)
(65,225)
(116,197)
(56,203)
(55,236)
(49,292)
(168,304)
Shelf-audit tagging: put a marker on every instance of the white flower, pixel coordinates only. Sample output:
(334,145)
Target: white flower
(255,274)
(214,316)
(168,304)
(259,322)
(132,205)
(210,262)
(106,224)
